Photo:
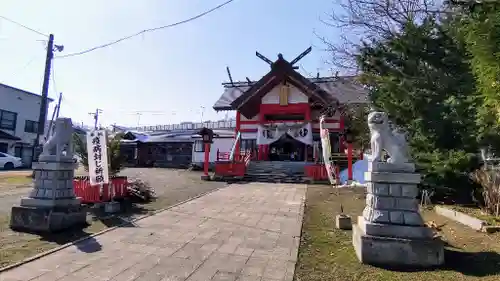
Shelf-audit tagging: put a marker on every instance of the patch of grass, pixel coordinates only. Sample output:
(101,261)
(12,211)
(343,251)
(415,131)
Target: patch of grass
(16,246)
(15,181)
(326,253)
(477,213)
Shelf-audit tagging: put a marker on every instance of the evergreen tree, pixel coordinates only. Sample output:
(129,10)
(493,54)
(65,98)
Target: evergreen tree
(478,24)
(421,78)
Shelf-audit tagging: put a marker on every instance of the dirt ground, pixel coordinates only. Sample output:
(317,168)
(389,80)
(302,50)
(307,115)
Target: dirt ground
(326,253)
(171,186)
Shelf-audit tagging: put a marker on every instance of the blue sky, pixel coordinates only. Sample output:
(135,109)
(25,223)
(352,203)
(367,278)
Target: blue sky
(168,75)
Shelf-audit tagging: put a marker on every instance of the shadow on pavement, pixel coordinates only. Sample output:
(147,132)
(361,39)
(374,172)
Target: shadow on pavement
(66,236)
(128,211)
(90,245)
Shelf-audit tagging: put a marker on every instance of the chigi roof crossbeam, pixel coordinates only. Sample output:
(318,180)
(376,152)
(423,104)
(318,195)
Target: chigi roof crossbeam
(245,96)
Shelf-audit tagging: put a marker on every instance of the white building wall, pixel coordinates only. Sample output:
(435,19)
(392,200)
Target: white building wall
(221,144)
(294,96)
(27,107)
(248,135)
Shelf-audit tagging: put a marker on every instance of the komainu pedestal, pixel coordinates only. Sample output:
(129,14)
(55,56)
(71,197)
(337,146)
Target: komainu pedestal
(391,230)
(51,206)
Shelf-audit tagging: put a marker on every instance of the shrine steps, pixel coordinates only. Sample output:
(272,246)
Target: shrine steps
(276,172)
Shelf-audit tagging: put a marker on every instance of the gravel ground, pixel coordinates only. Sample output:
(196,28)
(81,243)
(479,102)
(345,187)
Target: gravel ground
(175,185)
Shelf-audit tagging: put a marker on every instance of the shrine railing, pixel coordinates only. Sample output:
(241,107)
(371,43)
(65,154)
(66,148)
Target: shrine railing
(236,168)
(223,156)
(243,156)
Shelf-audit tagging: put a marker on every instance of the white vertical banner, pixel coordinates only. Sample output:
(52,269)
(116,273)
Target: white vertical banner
(327,151)
(97,154)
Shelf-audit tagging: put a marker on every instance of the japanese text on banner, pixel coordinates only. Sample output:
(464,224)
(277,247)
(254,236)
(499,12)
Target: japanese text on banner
(97,157)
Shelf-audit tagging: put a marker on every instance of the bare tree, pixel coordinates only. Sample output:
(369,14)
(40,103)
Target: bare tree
(366,20)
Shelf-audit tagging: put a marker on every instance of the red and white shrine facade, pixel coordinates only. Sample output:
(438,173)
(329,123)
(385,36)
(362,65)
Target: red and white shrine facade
(278,116)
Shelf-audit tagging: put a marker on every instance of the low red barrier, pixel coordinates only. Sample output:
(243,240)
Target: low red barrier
(316,172)
(93,194)
(230,169)
(223,156)
(235,168)
(88,193)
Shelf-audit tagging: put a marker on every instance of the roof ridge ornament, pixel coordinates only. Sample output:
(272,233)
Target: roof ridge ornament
(280,57)
(231,80)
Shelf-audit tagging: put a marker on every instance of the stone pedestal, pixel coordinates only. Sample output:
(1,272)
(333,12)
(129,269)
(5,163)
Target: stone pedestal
(343,222)
(51,205)
(112,207)
(391,230)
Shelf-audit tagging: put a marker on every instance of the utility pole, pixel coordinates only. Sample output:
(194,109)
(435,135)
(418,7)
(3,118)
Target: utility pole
(202,110)
(138,118)
(96,116)
(45,92)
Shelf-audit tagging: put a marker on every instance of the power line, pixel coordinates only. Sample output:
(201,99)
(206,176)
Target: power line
(25,66)
(146,31)
(24,26)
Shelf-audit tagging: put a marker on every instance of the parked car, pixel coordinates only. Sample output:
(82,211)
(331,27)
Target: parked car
(8,161)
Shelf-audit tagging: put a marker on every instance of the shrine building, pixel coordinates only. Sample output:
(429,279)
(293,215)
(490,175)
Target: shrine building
(278,115)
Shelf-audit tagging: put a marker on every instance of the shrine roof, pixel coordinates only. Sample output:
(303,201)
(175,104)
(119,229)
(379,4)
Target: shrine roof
(328,90)
(170,136)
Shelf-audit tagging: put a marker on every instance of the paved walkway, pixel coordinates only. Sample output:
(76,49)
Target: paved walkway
(241,232)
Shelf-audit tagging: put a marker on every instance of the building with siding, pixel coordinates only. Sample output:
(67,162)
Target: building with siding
(19,111)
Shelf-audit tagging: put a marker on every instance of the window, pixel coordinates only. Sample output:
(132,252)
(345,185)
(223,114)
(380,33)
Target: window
(199,146)
(30,126)
(248,145)
(2,155)
(8,120)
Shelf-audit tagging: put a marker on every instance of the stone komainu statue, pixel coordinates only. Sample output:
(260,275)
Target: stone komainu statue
(384,138)
(60,144)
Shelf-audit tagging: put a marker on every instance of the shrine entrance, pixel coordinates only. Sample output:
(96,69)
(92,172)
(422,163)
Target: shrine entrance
(286,148)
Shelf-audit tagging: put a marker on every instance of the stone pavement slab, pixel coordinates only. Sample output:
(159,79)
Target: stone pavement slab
(242,232)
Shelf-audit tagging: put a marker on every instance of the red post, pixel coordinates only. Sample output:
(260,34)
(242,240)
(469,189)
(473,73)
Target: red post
(207,158)
(349,161)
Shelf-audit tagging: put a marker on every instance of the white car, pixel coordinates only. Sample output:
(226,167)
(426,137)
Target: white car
(8,161)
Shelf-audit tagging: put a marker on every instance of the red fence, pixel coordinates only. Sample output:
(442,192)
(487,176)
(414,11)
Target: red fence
(223,156)
(94,194)
(243,155)
(235,168)
(318,172)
